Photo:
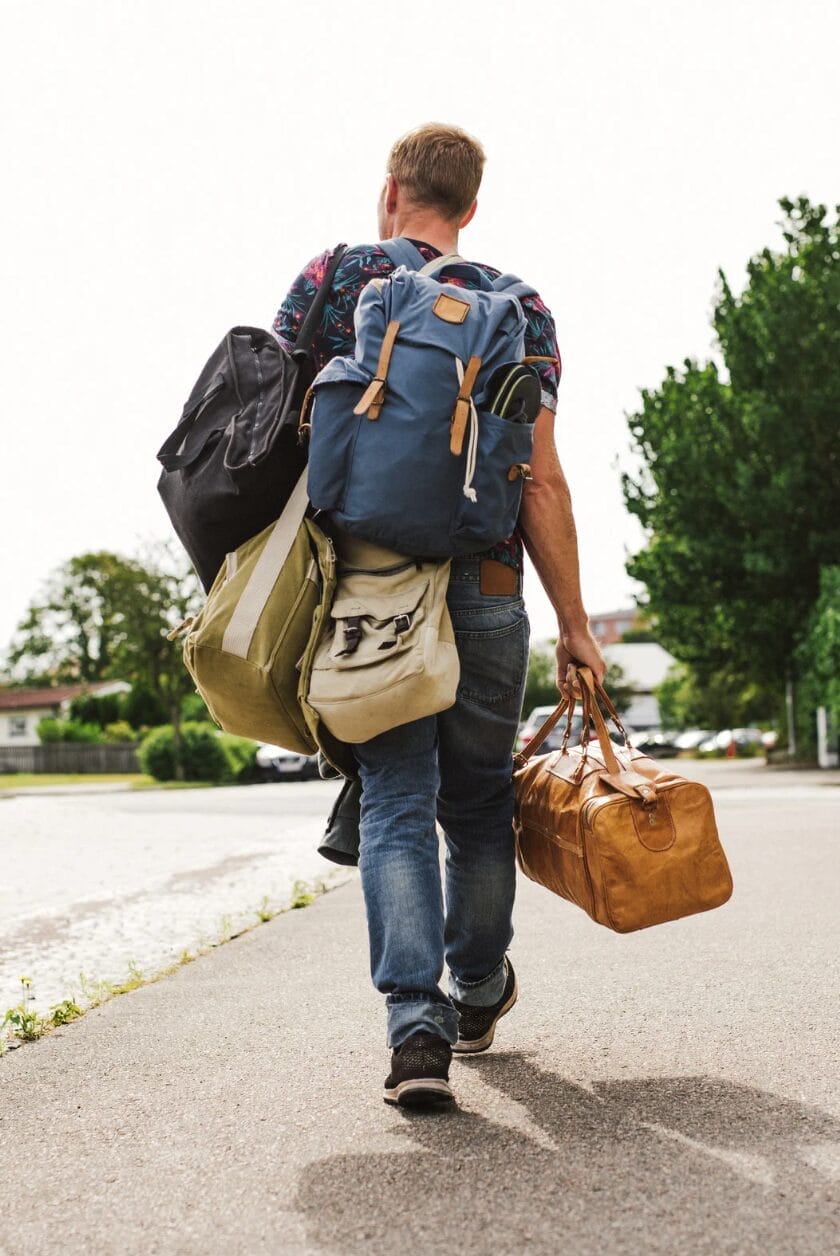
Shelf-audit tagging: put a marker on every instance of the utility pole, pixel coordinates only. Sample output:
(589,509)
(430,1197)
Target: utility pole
(791,722)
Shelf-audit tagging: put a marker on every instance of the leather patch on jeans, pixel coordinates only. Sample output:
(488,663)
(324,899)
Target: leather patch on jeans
(496,579)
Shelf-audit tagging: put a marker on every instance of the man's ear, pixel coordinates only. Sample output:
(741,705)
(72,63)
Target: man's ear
(468,217)
(392,191)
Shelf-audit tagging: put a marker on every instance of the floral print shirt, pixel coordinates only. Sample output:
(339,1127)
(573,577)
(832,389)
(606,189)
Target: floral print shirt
(336,335)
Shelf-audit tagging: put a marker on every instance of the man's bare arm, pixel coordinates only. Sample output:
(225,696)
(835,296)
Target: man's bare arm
(548,528)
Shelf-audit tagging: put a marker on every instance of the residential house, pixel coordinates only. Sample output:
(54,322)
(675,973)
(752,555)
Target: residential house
(645,665)
(610,626)
(22,709)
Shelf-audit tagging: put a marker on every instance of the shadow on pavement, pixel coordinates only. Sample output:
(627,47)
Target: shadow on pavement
(647,1165)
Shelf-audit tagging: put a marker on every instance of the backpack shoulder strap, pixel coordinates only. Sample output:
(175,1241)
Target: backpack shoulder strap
(513,285)
(454,261)
(312,321)
(438,263)
(403,253)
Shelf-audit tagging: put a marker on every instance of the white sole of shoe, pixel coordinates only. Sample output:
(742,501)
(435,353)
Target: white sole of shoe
(471,1046)
(419,1091)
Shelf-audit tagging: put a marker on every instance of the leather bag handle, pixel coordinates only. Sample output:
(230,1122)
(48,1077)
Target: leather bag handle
(522,757)
(625,780)
(589,688)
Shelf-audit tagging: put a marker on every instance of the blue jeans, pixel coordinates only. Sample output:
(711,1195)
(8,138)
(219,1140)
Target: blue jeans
(455,768)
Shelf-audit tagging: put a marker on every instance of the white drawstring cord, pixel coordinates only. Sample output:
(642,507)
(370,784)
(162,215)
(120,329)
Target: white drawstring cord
(472,444)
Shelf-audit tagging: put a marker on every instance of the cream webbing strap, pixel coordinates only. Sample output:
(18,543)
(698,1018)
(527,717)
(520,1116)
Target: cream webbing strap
(438,263)
(244,620)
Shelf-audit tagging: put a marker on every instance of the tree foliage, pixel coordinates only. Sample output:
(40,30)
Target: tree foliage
(722,700)
(101,617)
(819,652)
(740,478)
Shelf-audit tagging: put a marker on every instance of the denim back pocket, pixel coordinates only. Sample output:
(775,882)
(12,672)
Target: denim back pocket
(492,642)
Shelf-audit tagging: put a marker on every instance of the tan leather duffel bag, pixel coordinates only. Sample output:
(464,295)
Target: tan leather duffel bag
(630,842)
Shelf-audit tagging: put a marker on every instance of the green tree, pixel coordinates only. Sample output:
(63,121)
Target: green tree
(73,628)
(740,467)
(819,659)
(93,708)
(103,617)
(141,707)
(721,700)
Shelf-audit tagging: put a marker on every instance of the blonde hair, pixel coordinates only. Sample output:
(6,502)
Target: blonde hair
(440,167)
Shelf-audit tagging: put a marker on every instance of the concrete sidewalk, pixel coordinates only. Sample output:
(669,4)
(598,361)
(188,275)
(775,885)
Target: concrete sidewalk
(670,1091)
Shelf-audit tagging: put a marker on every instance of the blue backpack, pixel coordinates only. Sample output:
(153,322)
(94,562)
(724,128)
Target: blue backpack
(408,446)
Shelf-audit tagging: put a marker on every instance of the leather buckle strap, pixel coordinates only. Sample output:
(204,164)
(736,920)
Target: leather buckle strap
(374,395)
(352,635)
(461,413)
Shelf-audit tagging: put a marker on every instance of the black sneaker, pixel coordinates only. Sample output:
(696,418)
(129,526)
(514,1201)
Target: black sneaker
(419,1071)
(477,1025)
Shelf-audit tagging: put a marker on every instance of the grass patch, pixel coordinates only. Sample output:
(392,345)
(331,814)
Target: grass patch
(24,780)
(24,1024)
(14,781)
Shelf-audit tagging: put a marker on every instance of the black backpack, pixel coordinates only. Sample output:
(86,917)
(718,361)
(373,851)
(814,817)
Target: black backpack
(234,458)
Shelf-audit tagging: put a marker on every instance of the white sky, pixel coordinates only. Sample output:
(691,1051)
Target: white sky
(169,166)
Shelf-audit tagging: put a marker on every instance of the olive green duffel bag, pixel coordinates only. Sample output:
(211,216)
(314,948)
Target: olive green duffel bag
(246,648)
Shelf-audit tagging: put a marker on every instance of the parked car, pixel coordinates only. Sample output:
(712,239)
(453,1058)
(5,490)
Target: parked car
(655,742)
(740,737)
(276,764)
(693,737)
(554,740)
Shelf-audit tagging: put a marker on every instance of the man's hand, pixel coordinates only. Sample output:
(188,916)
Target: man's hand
(578,646)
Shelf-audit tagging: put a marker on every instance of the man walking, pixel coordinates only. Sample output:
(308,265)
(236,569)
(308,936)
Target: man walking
(454,768)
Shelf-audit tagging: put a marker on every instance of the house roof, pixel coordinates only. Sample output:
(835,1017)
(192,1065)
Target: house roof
(644,663)
(627,612)
(52,696)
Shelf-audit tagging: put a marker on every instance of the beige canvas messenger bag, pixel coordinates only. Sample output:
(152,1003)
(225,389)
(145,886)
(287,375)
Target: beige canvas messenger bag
(388,653)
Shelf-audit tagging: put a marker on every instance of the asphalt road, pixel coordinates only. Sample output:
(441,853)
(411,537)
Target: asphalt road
(673,1091)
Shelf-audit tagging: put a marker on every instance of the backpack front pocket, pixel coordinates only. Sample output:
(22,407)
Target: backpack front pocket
(502,463)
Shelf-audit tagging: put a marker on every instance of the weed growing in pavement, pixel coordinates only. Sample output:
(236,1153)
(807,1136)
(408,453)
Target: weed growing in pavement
(27,1025)
(302,896)
(264,912)
(65,1011)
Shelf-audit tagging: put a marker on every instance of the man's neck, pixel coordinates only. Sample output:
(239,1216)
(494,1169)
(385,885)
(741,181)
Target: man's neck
(428,229)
